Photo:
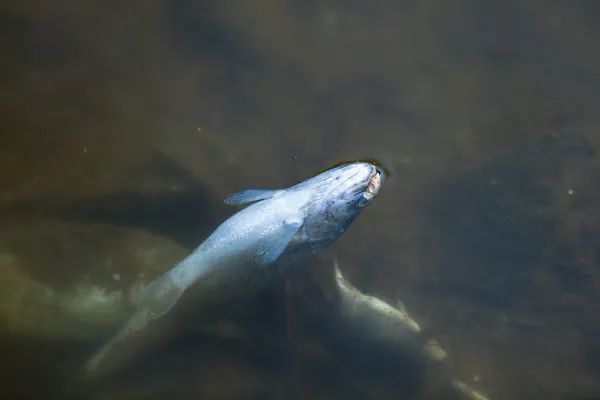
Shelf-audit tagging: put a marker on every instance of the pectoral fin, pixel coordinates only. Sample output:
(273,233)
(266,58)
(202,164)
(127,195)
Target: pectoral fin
(275,243)
(250,196)
(400,306)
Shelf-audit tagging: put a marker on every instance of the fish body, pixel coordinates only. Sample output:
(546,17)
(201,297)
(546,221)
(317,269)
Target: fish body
(363,320)
(373,313)
(280,231)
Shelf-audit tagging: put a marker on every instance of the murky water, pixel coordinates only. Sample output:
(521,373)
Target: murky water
(125,125)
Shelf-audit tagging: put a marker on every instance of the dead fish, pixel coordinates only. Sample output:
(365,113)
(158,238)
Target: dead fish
(281,230)
(370,319)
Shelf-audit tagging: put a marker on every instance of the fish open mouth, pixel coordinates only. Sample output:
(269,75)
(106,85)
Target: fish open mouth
(375,183)
(372,189)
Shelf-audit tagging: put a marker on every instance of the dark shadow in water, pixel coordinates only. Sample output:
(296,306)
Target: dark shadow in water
(195,29)
(167,368)
(181,367)
(504,217)
(186,216)
(31,375)
(200,36)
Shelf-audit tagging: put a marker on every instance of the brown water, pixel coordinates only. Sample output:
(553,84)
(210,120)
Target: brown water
(145,115)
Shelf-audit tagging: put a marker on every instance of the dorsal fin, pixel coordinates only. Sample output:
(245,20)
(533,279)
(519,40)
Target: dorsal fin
(340,278)
(250,196)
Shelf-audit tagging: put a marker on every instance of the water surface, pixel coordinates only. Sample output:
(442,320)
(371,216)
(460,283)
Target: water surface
(125,125)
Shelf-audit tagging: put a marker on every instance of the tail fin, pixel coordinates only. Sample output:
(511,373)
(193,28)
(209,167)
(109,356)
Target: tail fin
(158,299)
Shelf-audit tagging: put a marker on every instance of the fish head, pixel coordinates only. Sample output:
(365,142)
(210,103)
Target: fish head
(352,187)
(339,194)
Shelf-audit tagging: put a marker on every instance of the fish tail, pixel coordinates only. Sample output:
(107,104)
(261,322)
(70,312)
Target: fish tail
(137,323)
(157,299)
